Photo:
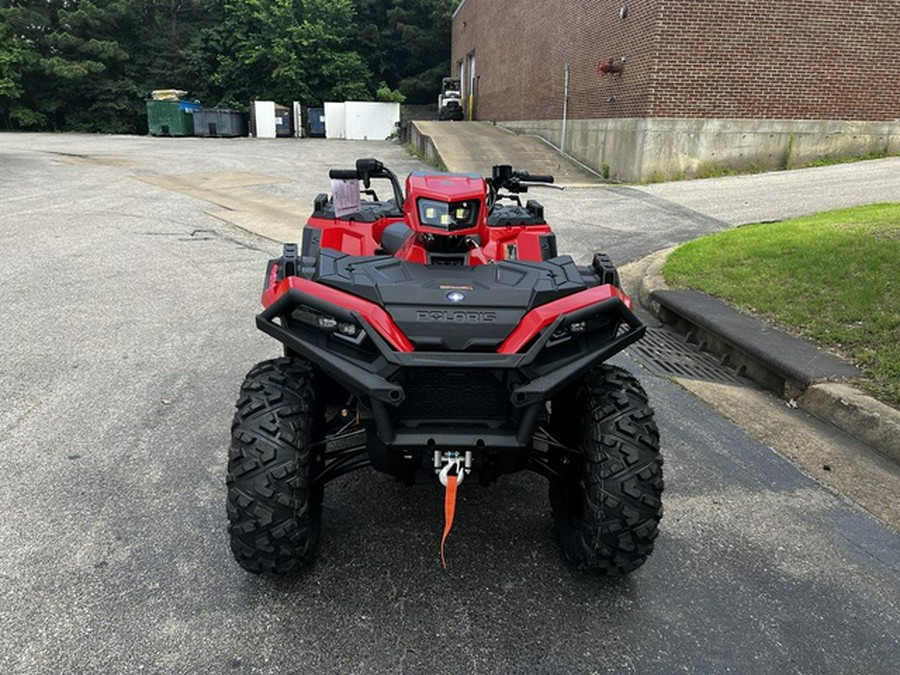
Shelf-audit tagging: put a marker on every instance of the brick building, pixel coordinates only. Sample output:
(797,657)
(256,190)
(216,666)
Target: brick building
(664,88)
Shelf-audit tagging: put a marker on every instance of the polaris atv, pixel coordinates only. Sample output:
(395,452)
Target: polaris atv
(437,336)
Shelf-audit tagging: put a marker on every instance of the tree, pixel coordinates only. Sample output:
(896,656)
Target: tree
(386,94)
(166,54)
(282,50)
(15,59)
(89,64)
(406,43)
(74,73)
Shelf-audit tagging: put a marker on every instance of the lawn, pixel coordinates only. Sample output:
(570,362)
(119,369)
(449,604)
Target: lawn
(833,278)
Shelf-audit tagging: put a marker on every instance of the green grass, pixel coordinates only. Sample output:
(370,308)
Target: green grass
(833,278)
(831,161)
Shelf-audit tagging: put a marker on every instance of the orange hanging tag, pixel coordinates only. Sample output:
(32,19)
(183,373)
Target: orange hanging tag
(449,510)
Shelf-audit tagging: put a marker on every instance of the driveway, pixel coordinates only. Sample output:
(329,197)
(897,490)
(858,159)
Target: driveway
(129,324)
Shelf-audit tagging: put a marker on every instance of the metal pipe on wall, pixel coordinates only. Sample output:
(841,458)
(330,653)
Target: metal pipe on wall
(562,142)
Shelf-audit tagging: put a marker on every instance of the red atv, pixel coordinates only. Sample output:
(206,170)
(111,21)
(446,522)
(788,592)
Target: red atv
(439,336)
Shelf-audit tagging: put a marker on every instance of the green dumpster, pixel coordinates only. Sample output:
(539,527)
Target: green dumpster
(171,118)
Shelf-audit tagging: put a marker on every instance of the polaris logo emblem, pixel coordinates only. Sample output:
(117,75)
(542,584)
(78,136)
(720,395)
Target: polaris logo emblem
(455,316)
(455,296)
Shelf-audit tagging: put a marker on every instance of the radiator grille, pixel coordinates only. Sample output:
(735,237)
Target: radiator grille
(454,394)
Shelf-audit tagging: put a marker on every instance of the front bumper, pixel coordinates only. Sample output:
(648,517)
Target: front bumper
(531,365)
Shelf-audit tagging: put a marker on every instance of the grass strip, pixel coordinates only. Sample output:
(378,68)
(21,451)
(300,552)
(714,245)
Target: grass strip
(833,278)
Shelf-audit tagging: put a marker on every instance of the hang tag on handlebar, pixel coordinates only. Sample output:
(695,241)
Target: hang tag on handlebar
(345,194)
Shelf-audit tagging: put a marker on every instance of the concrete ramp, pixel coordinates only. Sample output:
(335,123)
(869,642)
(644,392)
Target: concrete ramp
(477,146)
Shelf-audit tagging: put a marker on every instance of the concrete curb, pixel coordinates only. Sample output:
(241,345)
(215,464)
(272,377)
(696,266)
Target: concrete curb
(840,404)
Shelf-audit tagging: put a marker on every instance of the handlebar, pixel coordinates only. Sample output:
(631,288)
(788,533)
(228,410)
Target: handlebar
(514,181)
(365,170)
(503,177)
(344,174)
(533,178)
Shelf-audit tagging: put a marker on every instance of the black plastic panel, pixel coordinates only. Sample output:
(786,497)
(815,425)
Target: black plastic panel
(453,307)
(369,212)
(511,214)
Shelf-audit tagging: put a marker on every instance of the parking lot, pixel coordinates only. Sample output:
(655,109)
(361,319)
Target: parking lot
(131,276)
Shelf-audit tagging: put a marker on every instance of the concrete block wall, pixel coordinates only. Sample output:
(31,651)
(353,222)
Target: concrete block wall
(653,149)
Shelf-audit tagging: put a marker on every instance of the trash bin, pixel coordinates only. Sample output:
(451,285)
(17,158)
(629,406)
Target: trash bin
(171,118)
(315,121)
(283,126)
(219,122)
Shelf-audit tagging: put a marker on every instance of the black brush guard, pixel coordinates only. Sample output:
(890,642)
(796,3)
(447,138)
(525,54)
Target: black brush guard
(375,375)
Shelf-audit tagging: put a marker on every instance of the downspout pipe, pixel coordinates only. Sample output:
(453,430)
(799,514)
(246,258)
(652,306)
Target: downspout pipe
(565,115)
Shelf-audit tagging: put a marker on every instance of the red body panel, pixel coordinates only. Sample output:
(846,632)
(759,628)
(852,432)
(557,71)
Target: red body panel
(541,317)
(364,239)
(495,241)
(496,245)
(350,236)
(443,188)
(525,239)
(376,316)
(511,242)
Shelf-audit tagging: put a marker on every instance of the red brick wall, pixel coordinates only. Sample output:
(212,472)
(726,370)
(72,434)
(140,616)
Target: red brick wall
(757,59)
(522,46)
(465,34)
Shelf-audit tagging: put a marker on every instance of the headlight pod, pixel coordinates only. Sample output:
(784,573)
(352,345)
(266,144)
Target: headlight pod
(344,330)
(575,329)
(449,217)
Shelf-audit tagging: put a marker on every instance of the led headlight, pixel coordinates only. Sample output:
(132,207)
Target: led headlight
(448,216)
(314,318)
(345,330)
(348,329)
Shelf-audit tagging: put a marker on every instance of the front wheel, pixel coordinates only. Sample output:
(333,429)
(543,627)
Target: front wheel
(607,498)
(274,510)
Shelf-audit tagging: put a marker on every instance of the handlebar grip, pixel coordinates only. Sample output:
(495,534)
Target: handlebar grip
(344,174)
(531,178)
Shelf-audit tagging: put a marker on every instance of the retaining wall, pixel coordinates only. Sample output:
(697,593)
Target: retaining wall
(651,149)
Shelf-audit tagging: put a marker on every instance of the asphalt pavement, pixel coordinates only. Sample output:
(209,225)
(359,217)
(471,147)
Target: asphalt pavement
(129,311)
